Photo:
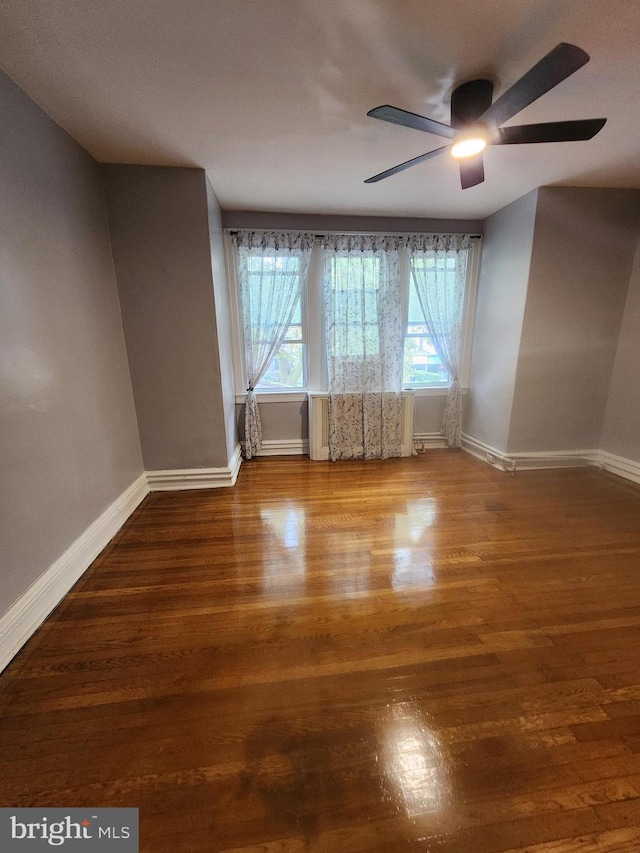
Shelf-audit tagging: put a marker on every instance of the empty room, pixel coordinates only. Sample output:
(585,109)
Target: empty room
(320,426)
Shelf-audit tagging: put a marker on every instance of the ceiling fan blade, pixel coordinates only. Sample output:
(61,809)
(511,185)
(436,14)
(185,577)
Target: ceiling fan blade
(405,119)
(552,69)
(471,171)
(406,165)
(553,131)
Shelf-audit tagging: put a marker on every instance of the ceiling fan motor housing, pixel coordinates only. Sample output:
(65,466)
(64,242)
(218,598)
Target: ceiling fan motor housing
(469,101)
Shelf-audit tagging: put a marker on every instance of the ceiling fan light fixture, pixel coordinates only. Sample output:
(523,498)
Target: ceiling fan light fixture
(468,146)
(478,121)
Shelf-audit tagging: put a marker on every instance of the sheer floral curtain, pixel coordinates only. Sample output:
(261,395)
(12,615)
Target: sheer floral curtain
(438,267)
(364,339)
(272,268)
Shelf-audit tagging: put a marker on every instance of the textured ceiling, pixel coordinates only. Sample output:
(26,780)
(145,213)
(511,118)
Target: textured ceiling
(270,96)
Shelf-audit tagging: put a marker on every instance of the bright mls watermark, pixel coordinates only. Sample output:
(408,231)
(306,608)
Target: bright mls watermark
(103,830)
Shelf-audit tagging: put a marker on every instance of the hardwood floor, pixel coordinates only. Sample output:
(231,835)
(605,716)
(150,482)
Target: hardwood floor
(420,654)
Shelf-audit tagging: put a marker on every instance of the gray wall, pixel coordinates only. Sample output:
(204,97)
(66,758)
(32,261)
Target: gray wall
(162,253)
(223,317)
(502,291)
(280,421)
(69,436)
(582,255)
(371,224)
(621,433)
(283,421)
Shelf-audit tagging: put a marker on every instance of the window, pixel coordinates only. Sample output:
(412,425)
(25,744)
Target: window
(271,278)
(300,361)
(271,271)
(422,364)
(287,370)
(355,285)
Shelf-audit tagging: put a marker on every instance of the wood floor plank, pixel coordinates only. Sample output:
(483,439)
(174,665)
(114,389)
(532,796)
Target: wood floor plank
(417,654)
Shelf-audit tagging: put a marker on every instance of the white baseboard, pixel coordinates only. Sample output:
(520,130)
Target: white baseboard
(428,441)
(627,468)
(176,479)
(283,447)
(32,608)
(527,461)
(486,453)
(554,459)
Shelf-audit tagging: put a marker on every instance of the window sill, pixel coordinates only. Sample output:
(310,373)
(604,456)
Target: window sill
(276,397)
(435,391)
(303,396)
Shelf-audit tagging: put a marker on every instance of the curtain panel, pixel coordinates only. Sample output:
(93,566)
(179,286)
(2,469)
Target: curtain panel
(364,340)
(272,268)
(438,267)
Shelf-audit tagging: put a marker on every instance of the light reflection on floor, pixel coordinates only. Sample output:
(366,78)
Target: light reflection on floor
(411,567)
(412,562)
(412,761)
(285,566)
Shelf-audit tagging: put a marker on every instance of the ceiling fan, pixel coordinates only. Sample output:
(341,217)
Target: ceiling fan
(475,120)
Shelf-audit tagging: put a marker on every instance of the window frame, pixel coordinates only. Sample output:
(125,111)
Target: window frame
(468,319)
(356,357)
(288,393)
(302,343)
(313,333)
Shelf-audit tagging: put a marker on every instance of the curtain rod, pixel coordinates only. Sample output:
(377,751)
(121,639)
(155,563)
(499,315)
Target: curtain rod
(356,233)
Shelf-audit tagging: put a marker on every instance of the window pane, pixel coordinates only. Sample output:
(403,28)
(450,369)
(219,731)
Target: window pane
(417,330)
(446,268)
(294,333)
(422,363)
(281,264)
(415,311)
(269,280)
(263,296)
(286,370)
(356,273)
(355,282)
